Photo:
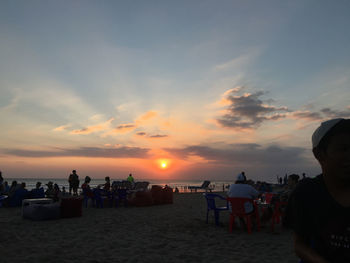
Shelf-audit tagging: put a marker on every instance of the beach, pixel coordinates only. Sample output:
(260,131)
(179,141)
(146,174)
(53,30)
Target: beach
(161,233)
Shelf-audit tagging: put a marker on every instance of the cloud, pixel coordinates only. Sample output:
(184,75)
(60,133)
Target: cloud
(95,128)
(244,154)
(147,116)
(143,134)
(158,136)
(323,114)
(124,128)
(248,110)
(121,152)
(307,115)
(61,128)
(336,113)
(240,62)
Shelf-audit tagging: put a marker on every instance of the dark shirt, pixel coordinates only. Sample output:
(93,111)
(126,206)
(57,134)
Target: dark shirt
(320,220)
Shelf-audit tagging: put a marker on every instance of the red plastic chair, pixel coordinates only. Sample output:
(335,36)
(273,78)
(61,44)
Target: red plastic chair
(277,214)
(237,205)
(268,197)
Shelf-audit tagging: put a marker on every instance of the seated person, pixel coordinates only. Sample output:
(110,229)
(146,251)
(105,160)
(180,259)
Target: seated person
(38,191)
(57,192)
(5,188)
(50,192)
(86,187)
(243,190)
(19,194)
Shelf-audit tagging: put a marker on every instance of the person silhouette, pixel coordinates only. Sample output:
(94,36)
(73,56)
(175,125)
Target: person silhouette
(318,209)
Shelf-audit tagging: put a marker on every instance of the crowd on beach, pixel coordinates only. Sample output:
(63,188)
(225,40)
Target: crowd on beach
(17,192)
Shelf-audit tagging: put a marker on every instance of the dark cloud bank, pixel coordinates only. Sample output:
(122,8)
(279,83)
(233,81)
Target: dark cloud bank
(260,163)
(121,152)
(250,111)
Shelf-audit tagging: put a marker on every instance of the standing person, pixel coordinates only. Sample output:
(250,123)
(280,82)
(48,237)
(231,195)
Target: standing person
(1,178)
(319,208)
(244,177)
(1,183)
(285,179)
(70,181)
(304,176)
(73,182)
(131,179)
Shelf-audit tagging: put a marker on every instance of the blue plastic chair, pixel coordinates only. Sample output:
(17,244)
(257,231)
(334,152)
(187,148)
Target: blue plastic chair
(211,205)
(120,195)
(99,198)
(17,198)
(87,197)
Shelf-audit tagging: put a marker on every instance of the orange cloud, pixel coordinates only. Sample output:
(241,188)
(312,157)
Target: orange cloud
(61,128)
(124,128)
(94,128)
(147,116)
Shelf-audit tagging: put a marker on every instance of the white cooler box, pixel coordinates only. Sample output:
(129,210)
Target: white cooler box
(40,209)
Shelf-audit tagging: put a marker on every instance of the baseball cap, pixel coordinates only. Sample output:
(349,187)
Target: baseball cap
(321,131)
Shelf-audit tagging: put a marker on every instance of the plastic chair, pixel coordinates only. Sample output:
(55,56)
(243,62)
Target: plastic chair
(238,210)
(99,198)
(19,195)
(268,197)
(88,195)
(277,214)
(119,196)
(211,205)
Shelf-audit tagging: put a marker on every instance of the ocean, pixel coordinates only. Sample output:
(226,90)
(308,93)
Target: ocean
(182,185)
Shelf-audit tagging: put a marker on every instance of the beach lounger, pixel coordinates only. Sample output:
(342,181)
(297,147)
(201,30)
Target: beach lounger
(204,186)
(211,206)
(141,186)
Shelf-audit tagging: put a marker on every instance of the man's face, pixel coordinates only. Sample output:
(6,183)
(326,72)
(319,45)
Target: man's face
(336,161)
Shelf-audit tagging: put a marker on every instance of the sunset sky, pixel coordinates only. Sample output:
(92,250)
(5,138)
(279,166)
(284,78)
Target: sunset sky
(210,88)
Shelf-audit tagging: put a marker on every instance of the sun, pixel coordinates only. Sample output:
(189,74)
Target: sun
(163,164)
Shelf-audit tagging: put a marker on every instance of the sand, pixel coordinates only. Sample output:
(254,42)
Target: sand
(164,233)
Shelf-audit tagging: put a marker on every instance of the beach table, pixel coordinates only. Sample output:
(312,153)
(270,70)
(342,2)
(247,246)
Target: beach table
(35,201)
(71,206)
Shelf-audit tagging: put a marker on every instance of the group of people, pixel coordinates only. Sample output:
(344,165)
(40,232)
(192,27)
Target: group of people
(17,192)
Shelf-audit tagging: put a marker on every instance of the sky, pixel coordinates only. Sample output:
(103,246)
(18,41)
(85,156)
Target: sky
(173,90)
